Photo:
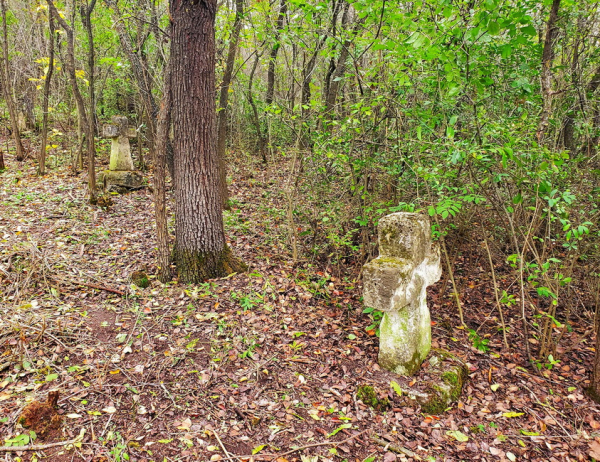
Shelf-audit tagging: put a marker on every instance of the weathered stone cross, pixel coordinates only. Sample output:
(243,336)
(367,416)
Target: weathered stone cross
(121,171)
(120,152)
(395,283)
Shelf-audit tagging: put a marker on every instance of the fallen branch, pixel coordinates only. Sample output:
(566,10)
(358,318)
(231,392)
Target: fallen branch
(96,286)
(36,447)
(396,449)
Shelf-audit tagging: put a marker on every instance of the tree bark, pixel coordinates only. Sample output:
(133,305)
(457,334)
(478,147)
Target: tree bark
(274,52)
(89,134)
(86,18)
(224,97)
(160,203)
(45,104)
(7,89)
(200,249)
(591,90)
(262,141)
(547,58)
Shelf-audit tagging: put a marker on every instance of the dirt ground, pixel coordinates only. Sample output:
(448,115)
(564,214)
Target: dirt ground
(258,366)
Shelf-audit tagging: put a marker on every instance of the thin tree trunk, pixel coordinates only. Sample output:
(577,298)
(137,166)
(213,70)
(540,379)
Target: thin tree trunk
(200,250)
(160,204)
(2,166)
(86,18)
(262,142)
(547,58)
(591,90)
(224,97)
(45,104)
(89,134)
(7,89)
(274,52)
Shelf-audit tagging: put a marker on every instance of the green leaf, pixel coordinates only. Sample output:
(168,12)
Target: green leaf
(396,387)
(51,377)
(459,436)
(495,386)
(259,448)
(510,415)
(493,28)
(337,430)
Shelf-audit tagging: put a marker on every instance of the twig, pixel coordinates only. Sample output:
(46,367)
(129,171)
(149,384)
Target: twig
(221,444)
(96,286)
(396,449)
(36,447)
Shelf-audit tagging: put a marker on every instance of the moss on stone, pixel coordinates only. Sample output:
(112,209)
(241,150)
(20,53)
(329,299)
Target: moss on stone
(367,394)
(437,402)
(140,279)
(448,376)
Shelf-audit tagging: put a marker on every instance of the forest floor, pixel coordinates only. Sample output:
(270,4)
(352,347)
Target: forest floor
(267,362)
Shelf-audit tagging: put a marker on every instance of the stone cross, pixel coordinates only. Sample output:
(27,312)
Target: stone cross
(120,152)
(121,175)
(395,283)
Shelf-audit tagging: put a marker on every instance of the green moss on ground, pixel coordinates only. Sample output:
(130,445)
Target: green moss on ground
(367,394)
(140,279)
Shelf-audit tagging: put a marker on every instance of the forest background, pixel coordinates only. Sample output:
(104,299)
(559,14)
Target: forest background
(483,114)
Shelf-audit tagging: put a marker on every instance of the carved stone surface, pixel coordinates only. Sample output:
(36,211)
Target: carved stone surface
(120,151)
(395,283)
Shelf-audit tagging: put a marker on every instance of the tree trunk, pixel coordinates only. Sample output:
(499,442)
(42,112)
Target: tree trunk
(86,18)
(2,166)
(274,52)
(547,58)
(224,97)
(89,134)
(262,141)
(160,203)
(591,90)
(200,249)
(45,104)
(7,89)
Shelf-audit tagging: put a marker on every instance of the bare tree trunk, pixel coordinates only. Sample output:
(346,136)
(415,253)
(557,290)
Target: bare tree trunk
(2,166)
(274,52)
(45,104)
(200,250)
(224,97)
(7,89)
(262,141)
(547,58)
(591,90)
(160,203)
(89,134)
(86,18)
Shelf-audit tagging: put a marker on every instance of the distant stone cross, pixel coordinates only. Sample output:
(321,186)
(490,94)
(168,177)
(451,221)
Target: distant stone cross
(395,283)
(121,174)
(120,152)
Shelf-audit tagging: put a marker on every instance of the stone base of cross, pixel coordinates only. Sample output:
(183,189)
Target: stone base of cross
(395,283)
